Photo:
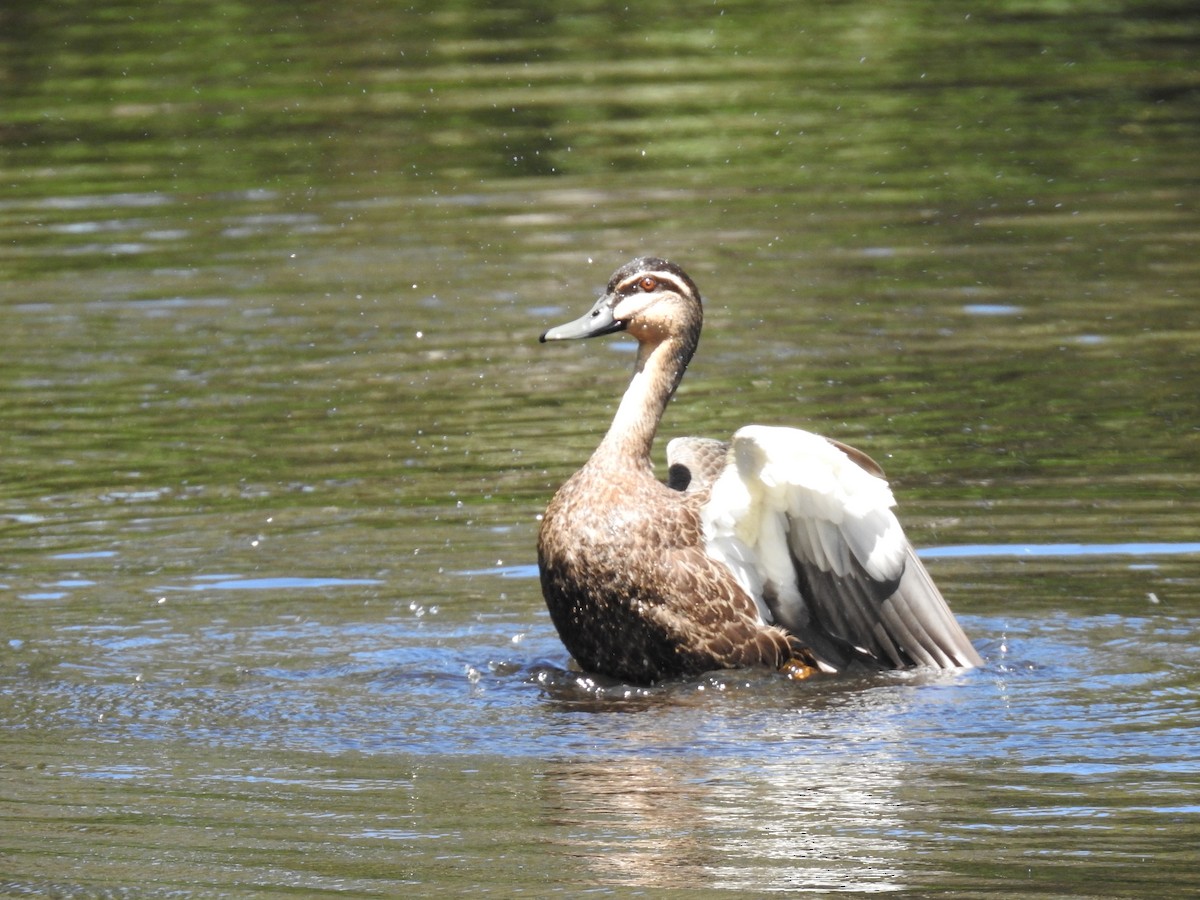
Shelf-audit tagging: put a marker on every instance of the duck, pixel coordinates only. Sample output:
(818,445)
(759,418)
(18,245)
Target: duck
(776,549)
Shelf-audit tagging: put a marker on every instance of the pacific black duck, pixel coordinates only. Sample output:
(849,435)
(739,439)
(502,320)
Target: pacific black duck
(777,549)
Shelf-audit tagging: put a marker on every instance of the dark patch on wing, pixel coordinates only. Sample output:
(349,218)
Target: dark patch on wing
(695,463)
(856,619)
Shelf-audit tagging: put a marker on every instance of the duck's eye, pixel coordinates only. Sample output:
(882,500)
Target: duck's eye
(648,283)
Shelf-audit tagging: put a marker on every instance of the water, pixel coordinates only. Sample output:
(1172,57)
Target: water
(275,433)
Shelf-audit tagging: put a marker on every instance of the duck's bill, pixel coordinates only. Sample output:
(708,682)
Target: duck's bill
(596,321)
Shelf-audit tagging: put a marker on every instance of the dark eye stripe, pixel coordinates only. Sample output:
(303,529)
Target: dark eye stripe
(634,282)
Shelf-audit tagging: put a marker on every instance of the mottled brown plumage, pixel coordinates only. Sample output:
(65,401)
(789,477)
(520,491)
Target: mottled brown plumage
(617,606)
(637,574)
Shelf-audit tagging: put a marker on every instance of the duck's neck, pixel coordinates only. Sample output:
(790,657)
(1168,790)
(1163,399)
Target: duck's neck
(659,370)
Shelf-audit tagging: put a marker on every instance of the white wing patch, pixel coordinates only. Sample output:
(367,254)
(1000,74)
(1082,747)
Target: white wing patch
(791,494)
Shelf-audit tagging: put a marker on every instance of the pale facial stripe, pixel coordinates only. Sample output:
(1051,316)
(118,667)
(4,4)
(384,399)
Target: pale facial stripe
(668,278)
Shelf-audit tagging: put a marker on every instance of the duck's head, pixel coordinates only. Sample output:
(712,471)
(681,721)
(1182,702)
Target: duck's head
(648,297)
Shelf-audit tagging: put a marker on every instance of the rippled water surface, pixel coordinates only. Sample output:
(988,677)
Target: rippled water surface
(275,432)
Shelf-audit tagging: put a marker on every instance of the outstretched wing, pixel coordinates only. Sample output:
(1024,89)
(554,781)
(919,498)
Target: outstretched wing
(806,525)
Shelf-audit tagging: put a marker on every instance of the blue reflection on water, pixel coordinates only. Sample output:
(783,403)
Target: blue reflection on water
(966,551)
(233,583)
(972,550)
